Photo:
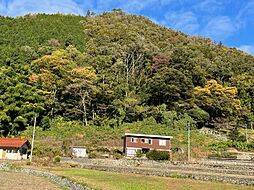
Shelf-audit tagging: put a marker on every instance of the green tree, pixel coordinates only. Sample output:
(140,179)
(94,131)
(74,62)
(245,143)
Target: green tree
(169,86)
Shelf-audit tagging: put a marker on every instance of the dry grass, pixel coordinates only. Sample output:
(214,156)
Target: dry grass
(250,133)
(17,181)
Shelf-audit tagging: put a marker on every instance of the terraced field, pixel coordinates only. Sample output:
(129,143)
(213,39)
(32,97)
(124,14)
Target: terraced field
(237,172)
(105,180)
(103,175)
(17,181)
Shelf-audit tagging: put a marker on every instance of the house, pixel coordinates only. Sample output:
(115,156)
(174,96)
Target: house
(144,143)
(14,148)
(79,152)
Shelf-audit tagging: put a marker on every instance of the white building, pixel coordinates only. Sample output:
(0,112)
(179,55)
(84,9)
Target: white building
(14,148)
(79,152)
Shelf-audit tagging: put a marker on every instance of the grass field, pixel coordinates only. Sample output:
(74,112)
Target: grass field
(17,181)
(101,180)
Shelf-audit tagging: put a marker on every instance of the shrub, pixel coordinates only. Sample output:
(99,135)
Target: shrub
(220,146)
(157,155)
(92,154)
(243,146)
(117,156)
(42,149)
(57,159)
(102,149)
(139,154)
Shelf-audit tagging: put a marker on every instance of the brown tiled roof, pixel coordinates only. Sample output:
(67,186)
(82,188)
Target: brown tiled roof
(13,142)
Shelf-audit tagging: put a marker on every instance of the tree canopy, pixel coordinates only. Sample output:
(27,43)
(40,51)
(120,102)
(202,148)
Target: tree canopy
(117,68)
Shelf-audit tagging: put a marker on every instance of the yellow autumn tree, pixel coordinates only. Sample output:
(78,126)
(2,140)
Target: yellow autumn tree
(217,100)
(62,77)
(50,74)
(82,88)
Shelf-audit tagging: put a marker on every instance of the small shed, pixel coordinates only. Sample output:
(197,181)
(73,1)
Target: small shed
(79,152)
(14,148)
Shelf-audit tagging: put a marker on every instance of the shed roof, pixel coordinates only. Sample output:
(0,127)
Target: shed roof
(79,147)
(149,136)
(13,142)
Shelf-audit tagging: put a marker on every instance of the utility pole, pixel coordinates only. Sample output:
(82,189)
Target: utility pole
(32,147)
(188,128)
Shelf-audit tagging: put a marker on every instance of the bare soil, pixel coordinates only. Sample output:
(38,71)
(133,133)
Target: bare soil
(17,181)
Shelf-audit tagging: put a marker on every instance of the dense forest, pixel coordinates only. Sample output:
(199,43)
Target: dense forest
(116,68)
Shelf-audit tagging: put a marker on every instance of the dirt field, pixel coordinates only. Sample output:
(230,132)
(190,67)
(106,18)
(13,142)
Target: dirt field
(16,181)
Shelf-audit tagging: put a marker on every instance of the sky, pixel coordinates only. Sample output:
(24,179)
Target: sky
(228,21)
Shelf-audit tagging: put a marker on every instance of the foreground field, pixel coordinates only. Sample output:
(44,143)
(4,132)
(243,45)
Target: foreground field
(17,181)
(101,180)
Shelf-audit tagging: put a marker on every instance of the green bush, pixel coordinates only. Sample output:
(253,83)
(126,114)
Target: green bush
(92,154)
(42,149)
(102,149)
(139,154)
(220,146)
(243,146)
(117,156)
(157,155)
(57,159)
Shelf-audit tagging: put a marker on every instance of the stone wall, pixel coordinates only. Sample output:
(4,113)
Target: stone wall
(64,182)
(226,171)
(198,176)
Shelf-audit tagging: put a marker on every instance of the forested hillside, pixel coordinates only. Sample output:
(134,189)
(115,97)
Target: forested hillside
(116,68)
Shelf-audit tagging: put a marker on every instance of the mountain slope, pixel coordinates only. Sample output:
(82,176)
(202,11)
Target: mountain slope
(118,68)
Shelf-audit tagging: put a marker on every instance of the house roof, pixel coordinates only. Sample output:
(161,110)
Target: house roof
(79,147)
(149,136)
(13,142)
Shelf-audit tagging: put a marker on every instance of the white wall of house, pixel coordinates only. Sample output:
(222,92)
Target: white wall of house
(79,152)
(14,153)
(131,152)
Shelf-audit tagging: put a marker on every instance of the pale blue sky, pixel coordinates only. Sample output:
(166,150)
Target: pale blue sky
(228,21)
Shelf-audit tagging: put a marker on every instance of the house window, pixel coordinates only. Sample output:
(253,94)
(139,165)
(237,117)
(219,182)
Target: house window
(15,151)
(148,141)
(8,150)
(162,142)
(134,140)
